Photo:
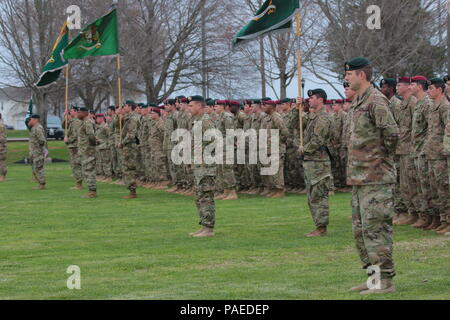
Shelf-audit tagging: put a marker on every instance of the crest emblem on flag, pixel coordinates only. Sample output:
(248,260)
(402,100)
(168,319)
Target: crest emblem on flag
(269,10)
(91,39)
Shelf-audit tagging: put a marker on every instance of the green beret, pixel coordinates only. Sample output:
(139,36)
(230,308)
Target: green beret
(196,98)
(287,100)
(171,102)
(388,81)
(84,109)
(130,102)
(35,116)
(437,81)
(357,64)
(112,108)
(256,101)
(316,91)
(266,99)
(211,102)
(346,84)
(75,108)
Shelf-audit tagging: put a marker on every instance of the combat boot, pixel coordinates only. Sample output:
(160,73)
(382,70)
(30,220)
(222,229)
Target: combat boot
(205,233)
(387,286)
(2,179)
(443,230)
(420,222)
(90,195)
(220,196)
(412,219)
(442,226)
(230,195)
(402,221)
(132,195)
(40,187)
(277,194)
(434,224)
(395,218)
(171,189)
(319,232)
(428,221)
(197,232)
(78,186)
(265,192)
(362,287)
(189,192)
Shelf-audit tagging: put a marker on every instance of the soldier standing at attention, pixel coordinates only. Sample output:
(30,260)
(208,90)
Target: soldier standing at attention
(388,87)
(274,121)
(204,174)
(38,150)
(158,157)
(170,127)
(71,140)
(371,172)
(128,145)
(104,150)
(86,149)
(3,150)
(437,159)
(112,141)
(317,161)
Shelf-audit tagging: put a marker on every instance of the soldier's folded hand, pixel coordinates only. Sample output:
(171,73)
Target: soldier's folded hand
(299,100)
(66,139)
(301,150)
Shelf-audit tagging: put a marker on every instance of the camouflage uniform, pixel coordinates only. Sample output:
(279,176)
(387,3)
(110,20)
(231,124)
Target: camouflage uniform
(275,122)
(140,167)
(3,149)
(146,147)
(408,176)
(437,160)
(294,175)
(37,147)
(243,181)
(117,139)
(225,172)
(86,149)
(113,149)
(104,150)
(72,144)
(399,203)
(185,170)
(158,157)
(338,164)
(371,172)
(343,152)
(130,150)
(204,177)
(419,134)
(317,165)
(170,127)
(255,169)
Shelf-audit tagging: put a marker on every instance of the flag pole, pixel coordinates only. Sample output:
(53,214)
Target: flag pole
(66,124)
(119,88)
(299,73)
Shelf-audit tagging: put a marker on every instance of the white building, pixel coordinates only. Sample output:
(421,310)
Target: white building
(14,112)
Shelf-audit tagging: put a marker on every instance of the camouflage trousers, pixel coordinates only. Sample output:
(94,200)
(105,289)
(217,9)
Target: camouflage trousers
(317,176)
(140,168)
(171,167)
(293,170)
(399,203)
(37,165)
(129,153)
(226,179)
(158,166)
(343,160)
(409,183)
(438,172)
(88,165)
(104,166)
(147,159)
(424,195)
(255,170)
(75,163)
(3,167)
(373,210)
(242,172)
(114,162)
(188,177)
(204,190)
(276,180)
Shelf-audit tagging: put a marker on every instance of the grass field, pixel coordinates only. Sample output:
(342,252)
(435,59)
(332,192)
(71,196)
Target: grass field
(18,133)
(140,249)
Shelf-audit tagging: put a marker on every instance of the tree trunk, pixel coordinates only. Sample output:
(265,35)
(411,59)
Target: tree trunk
(262,69)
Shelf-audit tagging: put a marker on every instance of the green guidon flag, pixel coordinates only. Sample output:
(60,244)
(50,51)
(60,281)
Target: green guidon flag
(100,38)
(52,70)
(29,113)
(274,15)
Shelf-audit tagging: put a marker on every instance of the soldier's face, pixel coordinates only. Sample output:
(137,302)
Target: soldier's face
(434,92)
(82,115)
(195,107)
(354,80)
(403,88)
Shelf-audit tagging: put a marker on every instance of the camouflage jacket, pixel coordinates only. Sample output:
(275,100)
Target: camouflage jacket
(239,120)
(183,120)
(72,132)
(86,137)
(317,136)
(3,138)
(346,130)
(437,122)
(156,136)
(420,125)
(394,105)
(38,141)
(198,147)
(170,126)
(293,138)
(144,133)
(102,134)
(337,126)
(224,122)
(404,119)
(374,136)
(130,130)
(275,122)
(112,134)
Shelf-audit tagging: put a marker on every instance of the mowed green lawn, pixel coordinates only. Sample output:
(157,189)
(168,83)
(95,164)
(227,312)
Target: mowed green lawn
(140,249)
